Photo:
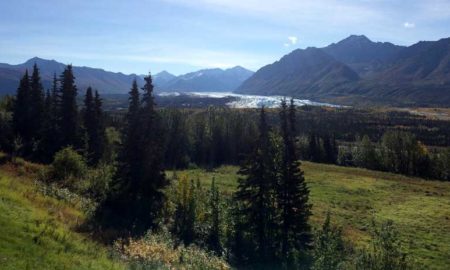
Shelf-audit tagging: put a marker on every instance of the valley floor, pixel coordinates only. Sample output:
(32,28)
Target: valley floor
(355,197)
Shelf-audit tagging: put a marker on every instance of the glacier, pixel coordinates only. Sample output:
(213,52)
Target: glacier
(248,101)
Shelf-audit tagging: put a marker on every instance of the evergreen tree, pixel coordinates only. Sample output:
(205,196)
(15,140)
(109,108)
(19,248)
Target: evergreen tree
(100,145)
(46,144)
(330,149)
(37,104)
(68,109)
(255,195)
(314,147)
(153,178)
(185,211)
(214,233)
(50,141)
(293,193)
(94,126)
(22,113)
(136,198)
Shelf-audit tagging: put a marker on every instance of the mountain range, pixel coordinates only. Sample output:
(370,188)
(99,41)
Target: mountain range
(353,71)
(358,71)
(107,82)
(216,79)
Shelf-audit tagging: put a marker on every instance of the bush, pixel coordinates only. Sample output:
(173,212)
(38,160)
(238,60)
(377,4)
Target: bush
(68,164)
(329,251)
(385,251)
(98,181)
(157,251)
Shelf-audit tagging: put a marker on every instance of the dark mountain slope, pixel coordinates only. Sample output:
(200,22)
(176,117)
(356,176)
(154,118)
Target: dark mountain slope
(99,79)
(363,55)
(305,73)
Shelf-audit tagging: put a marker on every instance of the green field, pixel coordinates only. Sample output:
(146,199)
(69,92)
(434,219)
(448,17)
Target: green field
(355,197)
(37,232)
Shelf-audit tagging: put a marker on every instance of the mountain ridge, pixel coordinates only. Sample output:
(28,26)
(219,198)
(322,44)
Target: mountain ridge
(388,74)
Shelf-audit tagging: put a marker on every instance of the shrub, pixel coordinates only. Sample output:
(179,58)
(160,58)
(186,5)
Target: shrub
(329,251)
(385,251)
(68,164)
(156,251)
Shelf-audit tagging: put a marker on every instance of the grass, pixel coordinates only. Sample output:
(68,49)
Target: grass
(355,197)
(37,232)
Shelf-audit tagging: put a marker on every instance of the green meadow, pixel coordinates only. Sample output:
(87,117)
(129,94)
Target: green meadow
(356,197)
(45,229)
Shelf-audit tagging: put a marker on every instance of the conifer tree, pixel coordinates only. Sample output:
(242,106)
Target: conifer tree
(46,144)
(214,233)
(100,144)
(22,113)
(185,211)
(136,198)
(68,109)
(37,104)
(292,192)
(152,180)
(255,194)
(89,121)
(93,124)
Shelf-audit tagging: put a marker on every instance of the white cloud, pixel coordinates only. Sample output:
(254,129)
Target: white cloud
(293,40)
(409,25)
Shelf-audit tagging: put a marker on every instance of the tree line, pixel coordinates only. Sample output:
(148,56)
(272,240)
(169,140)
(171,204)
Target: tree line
(43,122)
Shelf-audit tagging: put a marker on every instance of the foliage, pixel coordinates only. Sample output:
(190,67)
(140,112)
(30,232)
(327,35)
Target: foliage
(329,251)
(68,165)
(157,251)
(385,251)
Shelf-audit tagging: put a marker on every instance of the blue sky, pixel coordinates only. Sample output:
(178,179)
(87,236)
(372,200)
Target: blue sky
(186,35)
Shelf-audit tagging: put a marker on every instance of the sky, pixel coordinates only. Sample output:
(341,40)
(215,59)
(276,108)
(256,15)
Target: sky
(186,35)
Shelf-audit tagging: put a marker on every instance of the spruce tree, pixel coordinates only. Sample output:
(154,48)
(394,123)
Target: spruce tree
(136,198)
(255,195)
(100,145)
(214,233)
(46,144)
(152,180)
(37,104)
(93,123)
(69,110)
(22,113)
(89,121)
(293,193)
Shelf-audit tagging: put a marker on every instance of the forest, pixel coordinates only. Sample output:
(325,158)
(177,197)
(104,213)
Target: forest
(119,161)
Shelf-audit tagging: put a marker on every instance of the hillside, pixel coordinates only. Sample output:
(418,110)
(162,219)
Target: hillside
(355,196)
(38,232)
(308,73)
(103,81)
